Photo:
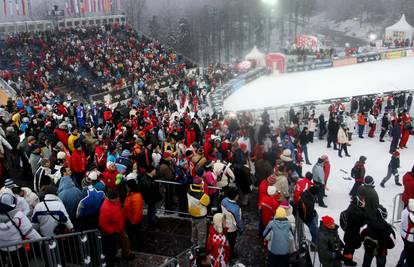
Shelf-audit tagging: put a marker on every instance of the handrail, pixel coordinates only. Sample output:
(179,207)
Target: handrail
(11,92)
(396,207)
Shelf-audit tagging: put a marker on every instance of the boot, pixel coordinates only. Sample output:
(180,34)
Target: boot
(347,259)
(382,185)
(398,183)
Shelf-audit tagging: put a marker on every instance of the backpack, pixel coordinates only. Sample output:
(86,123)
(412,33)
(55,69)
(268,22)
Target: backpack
(343,219)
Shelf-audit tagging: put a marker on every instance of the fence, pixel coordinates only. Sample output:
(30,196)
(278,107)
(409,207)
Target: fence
(75,249)
(397,209)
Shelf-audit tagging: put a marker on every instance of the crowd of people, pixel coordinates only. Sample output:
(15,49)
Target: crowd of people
(72,166)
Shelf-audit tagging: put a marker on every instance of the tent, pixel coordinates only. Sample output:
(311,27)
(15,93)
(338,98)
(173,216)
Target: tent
(257,56)
(401,30)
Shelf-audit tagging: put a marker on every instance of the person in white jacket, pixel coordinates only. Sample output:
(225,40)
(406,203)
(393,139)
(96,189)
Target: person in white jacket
(14,228)
(49,213)
(407,232)
(343,140)
(350,124)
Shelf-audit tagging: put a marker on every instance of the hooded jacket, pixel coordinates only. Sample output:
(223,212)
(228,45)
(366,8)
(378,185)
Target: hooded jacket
(42,219)
(408,182)
(329,247)
(318,173)
(370,196)
(133,208)
(378,229)
(280,230)
(9,234)
(110,217)
(233,215)
(70,196)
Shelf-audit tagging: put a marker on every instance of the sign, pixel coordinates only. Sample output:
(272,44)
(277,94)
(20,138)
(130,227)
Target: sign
(113,96)
(344,62)
(394,54)
(410,53)
(317,65)
(368,57)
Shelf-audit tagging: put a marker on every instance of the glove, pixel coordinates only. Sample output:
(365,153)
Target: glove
(118,180)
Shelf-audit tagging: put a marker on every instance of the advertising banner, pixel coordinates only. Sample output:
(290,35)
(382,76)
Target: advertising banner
(310,66)
(410,53)
(344,62)
(113,96)
(394,54)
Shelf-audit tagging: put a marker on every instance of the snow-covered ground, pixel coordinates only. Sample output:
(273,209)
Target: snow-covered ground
(376,166)
(353,80)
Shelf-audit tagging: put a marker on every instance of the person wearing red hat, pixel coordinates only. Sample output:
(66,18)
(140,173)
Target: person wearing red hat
(393,169)
(270,180)
(330,245)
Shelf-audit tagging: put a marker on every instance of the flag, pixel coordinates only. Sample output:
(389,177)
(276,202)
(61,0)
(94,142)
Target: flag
(76,5)
(29,6)
(24,7)
(86,6)
(5,7)
(99,5)
(10,8)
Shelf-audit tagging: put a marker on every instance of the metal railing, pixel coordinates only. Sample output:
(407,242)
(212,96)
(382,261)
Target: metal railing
(75,249)
(10,91)
(397,209)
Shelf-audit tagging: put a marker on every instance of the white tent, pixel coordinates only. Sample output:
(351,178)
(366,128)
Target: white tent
(401,30)
(257,56)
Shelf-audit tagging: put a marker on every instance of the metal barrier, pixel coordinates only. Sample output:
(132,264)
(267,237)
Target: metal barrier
(397,209)
(75,249)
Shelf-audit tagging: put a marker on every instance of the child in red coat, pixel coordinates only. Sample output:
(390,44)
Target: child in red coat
(217,244)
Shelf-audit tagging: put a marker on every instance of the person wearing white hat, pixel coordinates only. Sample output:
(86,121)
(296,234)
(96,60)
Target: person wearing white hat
(407,232)
(217,243)
(14,227)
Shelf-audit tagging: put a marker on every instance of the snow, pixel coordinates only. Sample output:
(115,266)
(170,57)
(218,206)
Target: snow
(359,79)
(376,166)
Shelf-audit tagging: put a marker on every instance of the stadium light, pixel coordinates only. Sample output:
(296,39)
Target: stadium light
(372,37)
(270,2)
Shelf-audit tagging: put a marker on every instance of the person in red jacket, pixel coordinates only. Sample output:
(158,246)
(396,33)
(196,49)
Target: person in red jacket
(78,162)
(133,208)
(405,129)
(111,224)
(62,133)
(271,180)
(190,136)
(268,206)
(326,170)
(408,182)
(100,155)
(109,175)
(302,185)
(107,115)
(217,243)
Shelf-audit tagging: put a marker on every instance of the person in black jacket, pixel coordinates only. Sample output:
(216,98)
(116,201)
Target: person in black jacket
(367,194)
(307,212)
(378,238)
(385,124)
(396,135)
(352,238)
(333,128)
(151,194)
(330,245)
(304,140)
(322,126)
(393,169)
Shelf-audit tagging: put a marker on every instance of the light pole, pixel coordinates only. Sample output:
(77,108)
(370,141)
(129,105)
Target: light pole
(270,4)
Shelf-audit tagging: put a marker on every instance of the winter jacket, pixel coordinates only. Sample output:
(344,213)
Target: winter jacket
(263,189)
(150,189)
(111,219)
(70,196)
(396,131)
(133,208)
(394,163)
(407,225)
(306,207)
(268,207)
(109,178)
(370,196)
(326,170)
(342,136)
(100,156)
(197,201)
(379,230)
(42,219)
(385,123)
(233,214)
(350,124)
(9,234)
(355,220)
(78,162)
(218,246)
(34,161)
(39,176)
(301,186)
(71,141)
(62,136)
(329,247)
(280,231)
(91,203)
(362,121)
(408,182)
(361,172)
(318,173)
(31,198)
(166,171)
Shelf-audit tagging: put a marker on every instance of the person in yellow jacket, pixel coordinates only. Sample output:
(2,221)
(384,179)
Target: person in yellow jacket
(198,201)
(72,139)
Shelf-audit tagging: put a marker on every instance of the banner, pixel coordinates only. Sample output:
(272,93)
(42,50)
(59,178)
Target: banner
(393,54)
(310,66)
(344,62)
(24,7)
(410,53)
(368,57)
(5,7)
(17,8)
(113,96)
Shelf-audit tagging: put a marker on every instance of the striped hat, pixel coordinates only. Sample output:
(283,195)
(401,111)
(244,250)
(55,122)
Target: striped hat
(9,183)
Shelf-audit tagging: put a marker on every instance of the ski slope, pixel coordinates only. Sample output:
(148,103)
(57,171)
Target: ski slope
(359,79)
(376,166)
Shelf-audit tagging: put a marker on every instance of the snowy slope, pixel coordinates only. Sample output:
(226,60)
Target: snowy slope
(376,166)
(353,80)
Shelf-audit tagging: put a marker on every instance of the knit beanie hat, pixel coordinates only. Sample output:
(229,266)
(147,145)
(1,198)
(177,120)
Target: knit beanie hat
(61,155)
(284,204)
(7,202)
(9,183)
(369,181)
(328,221)
(280,213)
(362,159)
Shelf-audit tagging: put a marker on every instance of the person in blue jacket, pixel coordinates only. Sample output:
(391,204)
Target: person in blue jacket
(69,194)
(278,235)
(80,116)
(87,213)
